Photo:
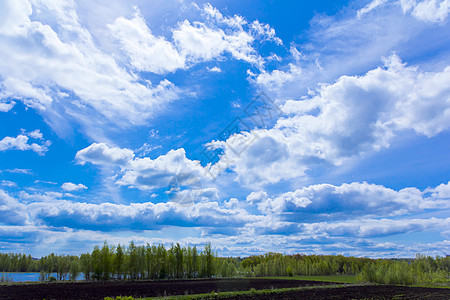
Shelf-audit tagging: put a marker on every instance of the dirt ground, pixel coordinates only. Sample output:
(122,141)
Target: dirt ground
(99,290)
(357,292)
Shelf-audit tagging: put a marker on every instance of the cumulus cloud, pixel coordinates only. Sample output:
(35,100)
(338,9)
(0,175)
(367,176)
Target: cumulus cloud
(22,142)
(343,121)
(70,187)
(77,79)
(326,201)
(193,42)
(199,43)
(146,51)
(103,155)
(220,34)
(232,228)
(12,212)
(70,63)
(278,78)
(427,10)
(215,69)
(53,209)
(143,173)
(287,214)
(370,228)
(256,197)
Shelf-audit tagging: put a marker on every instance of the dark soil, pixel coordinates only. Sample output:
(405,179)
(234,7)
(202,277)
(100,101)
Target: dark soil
(99,290)
(355,292)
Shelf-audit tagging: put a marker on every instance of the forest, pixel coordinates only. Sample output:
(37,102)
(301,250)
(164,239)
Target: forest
(138,262)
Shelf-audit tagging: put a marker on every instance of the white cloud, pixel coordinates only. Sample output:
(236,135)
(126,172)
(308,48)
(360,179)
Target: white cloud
(103,155)
(343,121)
(8,183)
(143,173)
(264,32)
(232,229)
(13,15)
(41,240)
(352,45)
(215,69)
(6,106)
(137,216)
(354,200)
(70,187)
(146,51)
(18,171)
(198,43)
(193,42)
(277,78)
(297,55)
(369,7)
(53,62)
(425,10)
(45,50)
(36,134)
(21,142)
(375,227)
(256,197)
(12,212)
(146,149)
(44,181)
(213,13)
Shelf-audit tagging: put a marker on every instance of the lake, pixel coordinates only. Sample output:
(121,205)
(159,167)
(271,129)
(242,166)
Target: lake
(30,276)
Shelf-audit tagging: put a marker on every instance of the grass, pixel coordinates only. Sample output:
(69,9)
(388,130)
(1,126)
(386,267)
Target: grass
(253,292)
(327,278)
(330,278)
(442,285)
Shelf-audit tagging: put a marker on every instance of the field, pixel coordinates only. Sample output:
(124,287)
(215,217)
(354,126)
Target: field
(263,288)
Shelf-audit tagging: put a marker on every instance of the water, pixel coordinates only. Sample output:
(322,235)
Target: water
(30,276)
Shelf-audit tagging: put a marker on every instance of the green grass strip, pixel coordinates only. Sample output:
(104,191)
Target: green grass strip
(253,292)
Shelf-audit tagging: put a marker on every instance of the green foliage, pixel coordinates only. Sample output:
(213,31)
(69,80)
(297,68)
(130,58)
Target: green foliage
(18,262)
(137,262)
(421,270)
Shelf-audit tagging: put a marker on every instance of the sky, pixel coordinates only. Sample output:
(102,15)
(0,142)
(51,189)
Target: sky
(285,126)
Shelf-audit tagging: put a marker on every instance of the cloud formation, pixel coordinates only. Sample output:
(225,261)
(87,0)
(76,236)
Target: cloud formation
(350,201)
(22,142)
(72,76)
(320,129)
(425,10)
(111,77)
(142,173)
(368,211)
(71,187)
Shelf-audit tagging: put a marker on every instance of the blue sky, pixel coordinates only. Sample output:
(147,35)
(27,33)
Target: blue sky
(287,126)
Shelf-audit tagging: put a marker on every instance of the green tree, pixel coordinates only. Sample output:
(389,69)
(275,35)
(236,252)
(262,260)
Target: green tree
(86,265)
(119,261)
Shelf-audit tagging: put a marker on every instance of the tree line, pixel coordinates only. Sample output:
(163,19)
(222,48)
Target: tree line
(137,262)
